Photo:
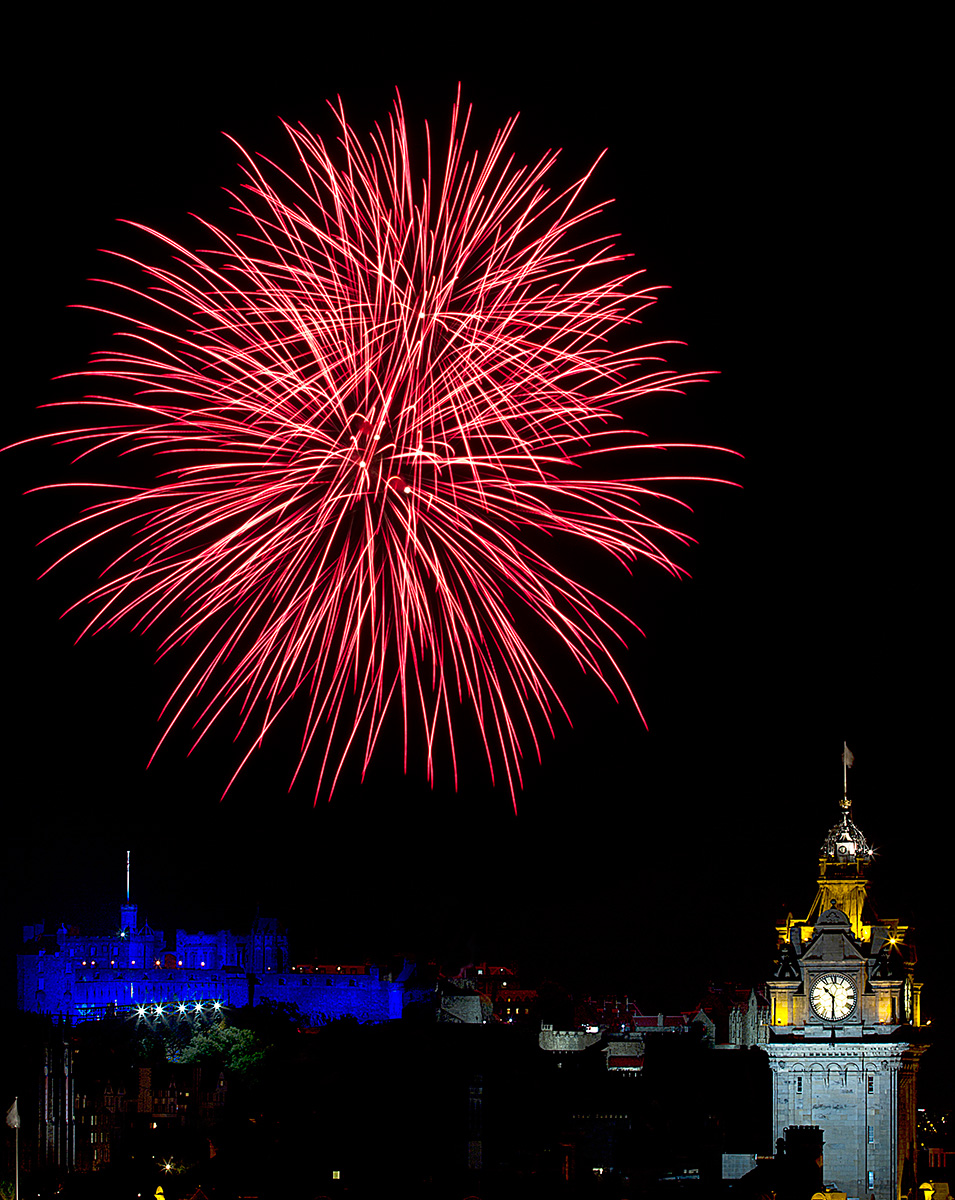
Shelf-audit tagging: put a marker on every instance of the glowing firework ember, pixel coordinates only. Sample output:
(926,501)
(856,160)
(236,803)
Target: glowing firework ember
(379,405)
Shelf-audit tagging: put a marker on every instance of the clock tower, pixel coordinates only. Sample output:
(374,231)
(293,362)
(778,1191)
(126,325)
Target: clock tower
(844,1041)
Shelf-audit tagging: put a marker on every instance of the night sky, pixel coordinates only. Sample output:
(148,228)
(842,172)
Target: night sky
(783,188)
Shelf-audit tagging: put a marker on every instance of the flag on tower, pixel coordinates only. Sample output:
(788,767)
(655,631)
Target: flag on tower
(848,758)
(13,1116)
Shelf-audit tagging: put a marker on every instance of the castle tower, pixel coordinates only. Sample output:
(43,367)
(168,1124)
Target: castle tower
(128,919)
(845,1040)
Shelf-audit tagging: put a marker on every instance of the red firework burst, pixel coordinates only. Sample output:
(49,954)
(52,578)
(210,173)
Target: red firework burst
(375,402)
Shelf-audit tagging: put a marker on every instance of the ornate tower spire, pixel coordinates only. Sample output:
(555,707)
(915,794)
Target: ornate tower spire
(845,840)
(845,855)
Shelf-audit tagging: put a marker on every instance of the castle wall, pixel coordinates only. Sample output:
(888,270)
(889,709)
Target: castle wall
(52,984)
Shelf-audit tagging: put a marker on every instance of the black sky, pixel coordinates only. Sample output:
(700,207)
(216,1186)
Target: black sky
(783,187)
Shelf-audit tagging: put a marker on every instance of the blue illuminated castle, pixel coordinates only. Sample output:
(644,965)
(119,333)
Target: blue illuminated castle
(133,968)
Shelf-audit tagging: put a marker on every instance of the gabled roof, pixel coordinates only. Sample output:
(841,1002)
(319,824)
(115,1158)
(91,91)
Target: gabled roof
(832,938)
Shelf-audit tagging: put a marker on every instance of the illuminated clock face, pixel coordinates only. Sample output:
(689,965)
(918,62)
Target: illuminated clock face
(833,997)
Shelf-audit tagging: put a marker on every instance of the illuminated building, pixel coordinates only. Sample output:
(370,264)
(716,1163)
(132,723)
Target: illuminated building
(845,1040)
(505,997)
(133,969)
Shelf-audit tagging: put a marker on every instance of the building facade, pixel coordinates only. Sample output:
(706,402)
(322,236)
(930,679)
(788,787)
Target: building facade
(82,976)
(845,1038)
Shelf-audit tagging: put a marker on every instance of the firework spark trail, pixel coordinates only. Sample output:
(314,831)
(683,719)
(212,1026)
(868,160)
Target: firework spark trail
(374,399)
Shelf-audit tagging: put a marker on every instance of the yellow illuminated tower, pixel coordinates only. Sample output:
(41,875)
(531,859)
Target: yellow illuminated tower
(845,1040)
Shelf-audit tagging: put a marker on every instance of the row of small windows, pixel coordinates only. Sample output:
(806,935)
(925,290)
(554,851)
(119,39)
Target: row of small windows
(215,978)
(145,976)
(328,980)
(869,1084)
